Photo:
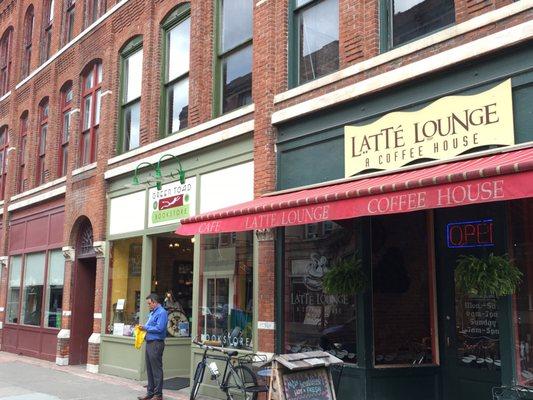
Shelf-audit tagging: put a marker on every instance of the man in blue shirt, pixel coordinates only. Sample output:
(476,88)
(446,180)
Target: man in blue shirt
(156,331)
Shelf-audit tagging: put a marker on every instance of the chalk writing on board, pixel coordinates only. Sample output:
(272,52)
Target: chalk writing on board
(312,384)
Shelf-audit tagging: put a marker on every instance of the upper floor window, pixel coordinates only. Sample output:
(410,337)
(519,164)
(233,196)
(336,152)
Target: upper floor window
(176,34)
(43,131)
(68,23)
(5,60)
(27,43)
(314,39)
(130,99)
(90,112)
(46,34)
(234,54)
(408,19)
(4,144)
(94,9)
(66,116)
(23,138)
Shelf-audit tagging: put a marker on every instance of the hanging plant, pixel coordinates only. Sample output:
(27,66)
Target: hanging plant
(345,277)
(489,276)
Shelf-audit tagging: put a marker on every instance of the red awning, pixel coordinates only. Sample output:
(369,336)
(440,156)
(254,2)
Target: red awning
(498,177)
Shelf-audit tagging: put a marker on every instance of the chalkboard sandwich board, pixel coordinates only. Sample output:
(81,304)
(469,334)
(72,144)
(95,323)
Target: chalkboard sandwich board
(302,376)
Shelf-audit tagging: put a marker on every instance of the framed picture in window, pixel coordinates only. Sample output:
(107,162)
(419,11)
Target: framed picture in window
(135,259)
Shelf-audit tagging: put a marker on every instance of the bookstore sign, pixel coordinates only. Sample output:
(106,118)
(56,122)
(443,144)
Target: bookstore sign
(442,130)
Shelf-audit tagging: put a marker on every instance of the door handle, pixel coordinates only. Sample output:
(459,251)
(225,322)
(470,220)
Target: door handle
(447,341)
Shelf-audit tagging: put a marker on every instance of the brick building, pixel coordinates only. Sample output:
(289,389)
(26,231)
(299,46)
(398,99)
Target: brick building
(120,118)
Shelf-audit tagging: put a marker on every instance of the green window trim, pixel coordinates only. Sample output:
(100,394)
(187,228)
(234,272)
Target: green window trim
(129,49)
(219,57)
(294,15)
(177,16)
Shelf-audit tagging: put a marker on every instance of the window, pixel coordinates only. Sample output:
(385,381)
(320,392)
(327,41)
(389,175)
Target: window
(43,131)
(409,19)
(94,9)
(5,60)
(4,145)
(315,320)
(90,117)
(53,302)
(68,24)
(32,289)
(23,137)
(46,34)
(234,54)
(124,298)
(315,39)
(27,43)
(13,289)
(130,99)
(66,113)
(402,291)
(226,289)
(176,34)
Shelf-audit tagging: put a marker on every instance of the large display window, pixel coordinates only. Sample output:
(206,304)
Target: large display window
(314,319)
(13,290)
(226,290)
(402,295)
(124,296)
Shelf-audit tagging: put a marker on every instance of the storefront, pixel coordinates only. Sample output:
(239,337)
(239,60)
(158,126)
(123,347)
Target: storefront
(35,280)
(206,285)
(463,143)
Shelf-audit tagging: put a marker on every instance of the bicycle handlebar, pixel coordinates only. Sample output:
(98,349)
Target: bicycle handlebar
(207,347)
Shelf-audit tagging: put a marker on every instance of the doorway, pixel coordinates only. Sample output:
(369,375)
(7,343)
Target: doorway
(469,325)
(83,296)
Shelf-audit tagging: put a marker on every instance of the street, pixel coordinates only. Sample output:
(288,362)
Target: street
(24,378)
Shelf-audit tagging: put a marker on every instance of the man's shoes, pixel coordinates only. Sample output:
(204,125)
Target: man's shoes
(145,397)
(156,397)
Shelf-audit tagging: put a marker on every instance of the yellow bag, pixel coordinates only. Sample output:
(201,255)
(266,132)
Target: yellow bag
(139,336)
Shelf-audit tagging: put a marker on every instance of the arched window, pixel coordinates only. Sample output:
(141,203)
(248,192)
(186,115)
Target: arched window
(4,144)
(176,36)
(28,33)
(43,130)
(130,99)
(90,112)
(46,26)
(5,60)
(94,9)
(66,115)
(23,138)
(68,25)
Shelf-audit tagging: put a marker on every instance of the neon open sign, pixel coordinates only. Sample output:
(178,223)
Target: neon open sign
(470,234)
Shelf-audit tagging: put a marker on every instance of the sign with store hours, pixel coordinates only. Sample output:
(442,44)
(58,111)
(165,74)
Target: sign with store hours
(442,130)
(312,384)
(172,203)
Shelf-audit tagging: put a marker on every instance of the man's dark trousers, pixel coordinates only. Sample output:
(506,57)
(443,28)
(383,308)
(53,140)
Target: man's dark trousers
(154,367)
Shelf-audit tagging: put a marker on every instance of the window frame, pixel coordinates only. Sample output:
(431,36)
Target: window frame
(176,17)
(94,9)
(44,110)
(46,30)
(4,146)
(93,69)
(6,49)
(68,21)
(133,46)
(23,142)
(293,77)
(27,43)
(66,109)
(218,92)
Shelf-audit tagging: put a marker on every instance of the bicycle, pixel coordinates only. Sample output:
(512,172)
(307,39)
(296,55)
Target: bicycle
(238,382)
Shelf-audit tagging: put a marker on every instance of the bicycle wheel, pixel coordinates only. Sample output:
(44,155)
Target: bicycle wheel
(238,379)
(198,377)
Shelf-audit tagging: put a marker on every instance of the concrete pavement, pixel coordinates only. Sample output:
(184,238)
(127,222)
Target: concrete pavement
(25,378)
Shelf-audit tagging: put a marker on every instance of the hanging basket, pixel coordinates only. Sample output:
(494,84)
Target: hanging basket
(345,277)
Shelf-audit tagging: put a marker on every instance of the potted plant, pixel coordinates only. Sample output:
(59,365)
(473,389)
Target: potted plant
(345,277)
(488,276)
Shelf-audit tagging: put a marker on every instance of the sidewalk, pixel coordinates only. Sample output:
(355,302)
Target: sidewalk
(25,378)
